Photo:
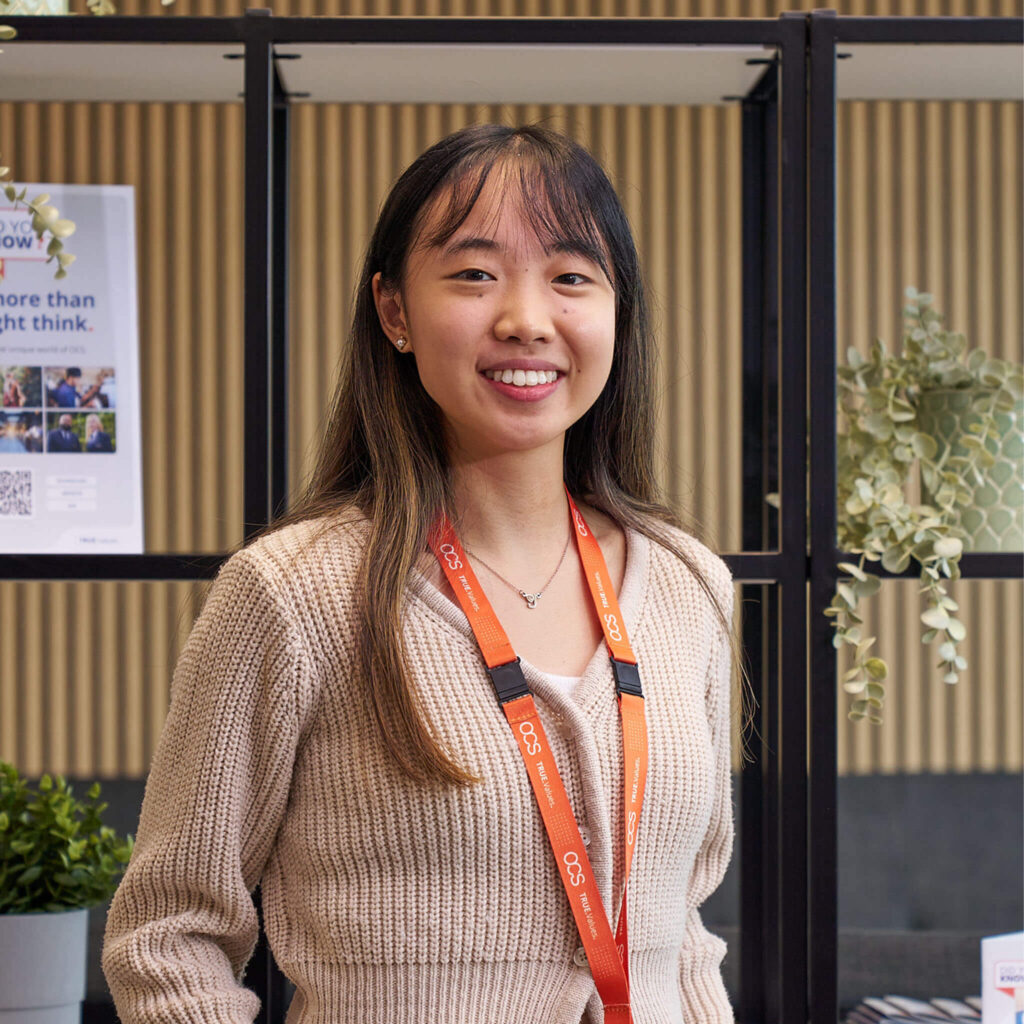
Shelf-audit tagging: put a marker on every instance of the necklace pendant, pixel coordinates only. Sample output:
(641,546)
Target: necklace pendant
(530,599)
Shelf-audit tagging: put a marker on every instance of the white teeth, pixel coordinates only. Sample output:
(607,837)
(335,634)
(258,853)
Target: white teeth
(523,378)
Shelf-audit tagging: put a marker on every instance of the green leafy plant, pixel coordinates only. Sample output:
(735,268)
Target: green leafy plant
(46,219)
(54,852)
(879,443)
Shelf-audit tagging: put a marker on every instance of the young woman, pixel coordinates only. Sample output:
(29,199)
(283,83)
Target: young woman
(397,712)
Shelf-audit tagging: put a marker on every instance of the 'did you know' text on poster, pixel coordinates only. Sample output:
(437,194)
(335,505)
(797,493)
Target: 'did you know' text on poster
(70,453)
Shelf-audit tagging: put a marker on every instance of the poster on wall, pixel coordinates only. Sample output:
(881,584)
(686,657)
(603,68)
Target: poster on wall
(70,444)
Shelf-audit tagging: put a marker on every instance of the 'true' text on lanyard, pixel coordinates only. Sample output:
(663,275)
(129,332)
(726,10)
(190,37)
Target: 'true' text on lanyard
(607,957)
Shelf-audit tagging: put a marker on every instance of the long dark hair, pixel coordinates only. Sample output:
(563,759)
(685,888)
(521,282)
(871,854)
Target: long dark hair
(384,456)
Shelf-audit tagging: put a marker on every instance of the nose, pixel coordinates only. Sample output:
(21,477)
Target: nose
(524,317)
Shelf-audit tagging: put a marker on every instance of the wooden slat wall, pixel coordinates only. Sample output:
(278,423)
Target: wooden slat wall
(88,665)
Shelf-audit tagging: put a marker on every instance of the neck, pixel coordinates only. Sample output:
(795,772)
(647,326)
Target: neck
(501,499)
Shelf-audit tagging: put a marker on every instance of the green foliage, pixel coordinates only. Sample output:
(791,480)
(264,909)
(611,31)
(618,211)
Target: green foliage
(879,443)
(54,852)
(45,217)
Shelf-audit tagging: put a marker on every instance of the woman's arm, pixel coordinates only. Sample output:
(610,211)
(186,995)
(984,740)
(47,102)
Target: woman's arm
(702,990)
(182,924)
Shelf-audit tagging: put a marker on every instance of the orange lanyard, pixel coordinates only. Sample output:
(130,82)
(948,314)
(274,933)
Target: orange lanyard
(607,957)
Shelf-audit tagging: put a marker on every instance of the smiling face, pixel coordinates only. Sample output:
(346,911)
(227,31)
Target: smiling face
(512,333)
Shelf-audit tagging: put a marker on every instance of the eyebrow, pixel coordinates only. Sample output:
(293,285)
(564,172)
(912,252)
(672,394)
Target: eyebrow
(471,244)
(479,244)
(588,252)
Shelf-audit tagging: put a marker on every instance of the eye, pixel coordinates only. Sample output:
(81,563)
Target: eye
(473,274)
(572,278)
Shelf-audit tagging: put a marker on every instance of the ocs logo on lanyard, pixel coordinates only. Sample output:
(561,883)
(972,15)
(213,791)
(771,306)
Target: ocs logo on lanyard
(574,867)
(530,740)
(581,525)
(451,556)
(613,626)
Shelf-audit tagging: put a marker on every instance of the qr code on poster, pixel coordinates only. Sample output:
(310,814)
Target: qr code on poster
(15,492)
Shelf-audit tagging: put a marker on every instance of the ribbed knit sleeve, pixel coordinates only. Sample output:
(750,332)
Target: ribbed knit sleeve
(702,990)
(182,924)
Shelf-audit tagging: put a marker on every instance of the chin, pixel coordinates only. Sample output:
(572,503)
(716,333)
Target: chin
(516,440)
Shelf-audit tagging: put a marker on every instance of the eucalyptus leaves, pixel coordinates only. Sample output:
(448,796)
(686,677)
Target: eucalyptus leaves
(54,853)
(45,218)
(879,441)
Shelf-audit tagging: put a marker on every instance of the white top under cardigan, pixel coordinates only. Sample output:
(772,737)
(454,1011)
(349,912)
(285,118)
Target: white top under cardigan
(565,683)
(390,903)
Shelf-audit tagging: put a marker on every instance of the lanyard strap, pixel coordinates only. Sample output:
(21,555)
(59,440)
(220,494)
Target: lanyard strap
(607,957)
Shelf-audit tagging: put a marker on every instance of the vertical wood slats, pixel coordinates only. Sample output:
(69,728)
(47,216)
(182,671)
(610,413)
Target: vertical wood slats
(929,195)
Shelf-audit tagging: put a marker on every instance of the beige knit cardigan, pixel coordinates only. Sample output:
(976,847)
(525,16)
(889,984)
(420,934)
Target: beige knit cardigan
(388,902)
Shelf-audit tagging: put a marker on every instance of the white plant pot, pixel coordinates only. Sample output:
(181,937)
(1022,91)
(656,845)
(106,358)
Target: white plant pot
(42,967)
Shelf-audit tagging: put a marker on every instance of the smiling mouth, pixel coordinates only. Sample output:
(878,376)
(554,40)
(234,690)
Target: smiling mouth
(522,378)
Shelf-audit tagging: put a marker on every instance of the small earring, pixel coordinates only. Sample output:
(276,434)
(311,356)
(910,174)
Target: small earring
(400,343)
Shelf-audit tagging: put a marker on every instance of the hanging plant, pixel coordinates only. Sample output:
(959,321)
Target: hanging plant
(881,439)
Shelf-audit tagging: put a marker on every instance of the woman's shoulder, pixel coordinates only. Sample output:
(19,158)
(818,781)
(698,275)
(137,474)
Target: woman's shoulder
(297,581)
(312,552)
(670,541)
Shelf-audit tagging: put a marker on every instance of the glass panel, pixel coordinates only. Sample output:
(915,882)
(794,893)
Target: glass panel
(931,805)
(910,216)
(929,198)
(185,164)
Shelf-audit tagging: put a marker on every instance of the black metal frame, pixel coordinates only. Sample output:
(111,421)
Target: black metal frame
(788,835)
(759,902)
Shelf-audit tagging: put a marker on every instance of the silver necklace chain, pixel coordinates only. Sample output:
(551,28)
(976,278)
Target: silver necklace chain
(530,599)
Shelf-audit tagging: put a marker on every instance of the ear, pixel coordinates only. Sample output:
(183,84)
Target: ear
(389,311)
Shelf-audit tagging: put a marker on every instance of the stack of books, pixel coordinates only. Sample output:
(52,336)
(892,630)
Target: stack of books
(904,1010)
